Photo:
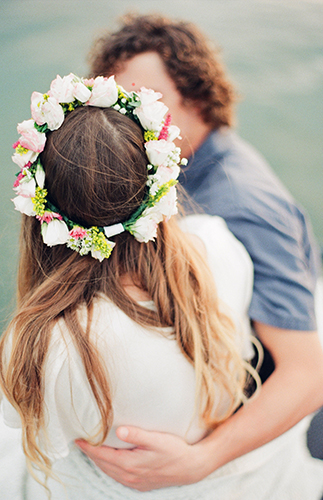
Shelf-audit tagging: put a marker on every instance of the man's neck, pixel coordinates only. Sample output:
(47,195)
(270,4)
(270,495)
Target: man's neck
(195,135)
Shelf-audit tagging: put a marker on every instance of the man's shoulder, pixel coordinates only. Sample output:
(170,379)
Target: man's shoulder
(224,143)
(231,176)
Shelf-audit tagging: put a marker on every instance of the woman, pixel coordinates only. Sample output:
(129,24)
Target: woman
(118,319)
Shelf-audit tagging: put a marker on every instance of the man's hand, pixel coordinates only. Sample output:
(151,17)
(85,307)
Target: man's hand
(157,460)
(293,391)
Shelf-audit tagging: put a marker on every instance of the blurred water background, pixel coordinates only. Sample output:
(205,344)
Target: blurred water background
(273,50)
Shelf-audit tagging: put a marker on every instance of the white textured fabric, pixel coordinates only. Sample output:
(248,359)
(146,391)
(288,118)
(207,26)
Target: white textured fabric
(231,268)
(280,470)
(153,388)
(13,472)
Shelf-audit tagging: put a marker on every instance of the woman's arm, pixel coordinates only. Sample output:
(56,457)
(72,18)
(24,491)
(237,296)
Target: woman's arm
(294,390)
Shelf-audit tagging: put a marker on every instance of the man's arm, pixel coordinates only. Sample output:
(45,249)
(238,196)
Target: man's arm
(294,390)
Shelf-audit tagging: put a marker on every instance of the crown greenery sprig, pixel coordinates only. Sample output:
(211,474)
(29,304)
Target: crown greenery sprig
(48,112)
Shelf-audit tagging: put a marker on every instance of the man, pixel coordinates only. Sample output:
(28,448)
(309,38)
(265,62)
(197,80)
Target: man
(225,177)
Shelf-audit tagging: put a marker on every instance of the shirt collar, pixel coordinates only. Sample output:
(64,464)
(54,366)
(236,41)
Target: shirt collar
(210,151)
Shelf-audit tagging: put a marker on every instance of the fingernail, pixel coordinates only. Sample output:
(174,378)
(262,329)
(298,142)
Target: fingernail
(123,432)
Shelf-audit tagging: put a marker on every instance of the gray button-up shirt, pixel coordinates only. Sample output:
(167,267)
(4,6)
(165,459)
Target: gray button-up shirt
(227,177)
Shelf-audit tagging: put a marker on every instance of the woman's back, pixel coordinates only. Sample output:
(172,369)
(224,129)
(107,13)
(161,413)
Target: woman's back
(152,383)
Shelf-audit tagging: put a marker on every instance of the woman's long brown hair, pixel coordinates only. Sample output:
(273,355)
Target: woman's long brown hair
(96,171)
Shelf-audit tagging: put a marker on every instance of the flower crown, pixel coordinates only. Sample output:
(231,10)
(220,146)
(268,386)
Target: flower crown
(48,112)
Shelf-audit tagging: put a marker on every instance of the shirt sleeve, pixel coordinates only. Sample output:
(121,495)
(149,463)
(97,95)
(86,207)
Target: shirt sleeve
(230,179)
(70,408)
(284,277)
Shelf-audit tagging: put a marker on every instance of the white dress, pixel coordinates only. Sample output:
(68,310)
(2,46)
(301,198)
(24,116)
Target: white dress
(153,387)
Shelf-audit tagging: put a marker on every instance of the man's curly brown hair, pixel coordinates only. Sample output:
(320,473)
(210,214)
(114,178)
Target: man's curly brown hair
(189,60)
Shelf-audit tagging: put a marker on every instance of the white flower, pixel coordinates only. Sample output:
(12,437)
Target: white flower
(24,205)
(81,92)
(167,205)
(104,92)
(165,174)
(154,184)
(151,115)
(62,88)
(40,176)
(158,151)
(148,96)
(30,137)
(37,101)
(145,228)
(173,133)
(55,232)
(21,159)
(96,254)
(53,113)
(26,187)
(150,112)
(46,109)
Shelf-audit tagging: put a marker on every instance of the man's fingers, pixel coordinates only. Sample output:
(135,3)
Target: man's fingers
(84,445)
(138,437)
(99,452)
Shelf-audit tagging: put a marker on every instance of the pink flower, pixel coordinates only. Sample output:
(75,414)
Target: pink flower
(89,82)
(62,88)
(30,137)
(104,92)
(164,131)
(26,187)
(164,174)
(148,96)
(48,217)
(78,232)
(46,109)
(17,181)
